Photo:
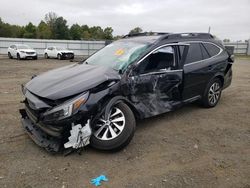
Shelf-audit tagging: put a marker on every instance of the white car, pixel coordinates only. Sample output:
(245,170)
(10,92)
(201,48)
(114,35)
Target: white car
(58,52)
(21,51)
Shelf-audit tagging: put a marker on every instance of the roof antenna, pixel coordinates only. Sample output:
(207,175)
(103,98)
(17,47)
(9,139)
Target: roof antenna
(209,28)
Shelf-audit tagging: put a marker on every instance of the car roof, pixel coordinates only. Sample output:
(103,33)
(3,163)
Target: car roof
(141,39)
(161,38)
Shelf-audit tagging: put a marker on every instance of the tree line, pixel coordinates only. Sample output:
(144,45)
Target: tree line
(55,27)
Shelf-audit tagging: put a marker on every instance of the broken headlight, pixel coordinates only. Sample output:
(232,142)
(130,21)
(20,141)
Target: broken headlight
(66,109)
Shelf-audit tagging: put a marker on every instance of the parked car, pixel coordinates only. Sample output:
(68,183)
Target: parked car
(58,52)
(100,99)
(21,51)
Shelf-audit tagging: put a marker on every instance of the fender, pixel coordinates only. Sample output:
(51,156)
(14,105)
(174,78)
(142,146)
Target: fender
(220,75)
(112,102)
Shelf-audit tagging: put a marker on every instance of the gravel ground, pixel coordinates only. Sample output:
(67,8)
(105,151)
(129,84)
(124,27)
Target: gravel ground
(191,147)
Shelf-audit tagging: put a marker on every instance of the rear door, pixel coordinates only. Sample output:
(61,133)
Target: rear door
(198,68)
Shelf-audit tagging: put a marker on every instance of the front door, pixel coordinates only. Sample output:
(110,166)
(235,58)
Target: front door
(155,85)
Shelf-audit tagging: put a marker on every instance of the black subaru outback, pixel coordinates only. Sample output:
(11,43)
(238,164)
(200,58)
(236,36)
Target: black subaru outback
(98,100)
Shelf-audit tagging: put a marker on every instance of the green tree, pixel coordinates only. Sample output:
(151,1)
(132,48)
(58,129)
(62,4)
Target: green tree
(96,32)
(43,31)
(60,29)
(226,40)
(108,33)
(5,29)
(29,31)
(50,19)
(75,32)
(17,31)
(86,35)
(135,30)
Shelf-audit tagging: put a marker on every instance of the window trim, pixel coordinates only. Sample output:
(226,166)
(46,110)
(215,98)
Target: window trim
(207,58)
(152,51)
(160,72)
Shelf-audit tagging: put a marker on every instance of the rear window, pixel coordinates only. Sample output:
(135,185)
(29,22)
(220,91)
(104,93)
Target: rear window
(194,53)
(204,52)
(211,49)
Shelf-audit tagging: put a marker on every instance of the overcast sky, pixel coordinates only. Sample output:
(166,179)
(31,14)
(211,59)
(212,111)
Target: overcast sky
(227,18)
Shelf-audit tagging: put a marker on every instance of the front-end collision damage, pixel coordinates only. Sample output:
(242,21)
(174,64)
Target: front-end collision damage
(79,136)
(40,117)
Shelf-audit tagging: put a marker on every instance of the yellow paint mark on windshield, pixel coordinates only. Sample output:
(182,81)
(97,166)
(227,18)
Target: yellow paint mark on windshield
(119,52)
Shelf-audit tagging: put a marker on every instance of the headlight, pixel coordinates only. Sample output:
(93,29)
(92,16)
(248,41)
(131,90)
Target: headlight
(22,51)
(66,109)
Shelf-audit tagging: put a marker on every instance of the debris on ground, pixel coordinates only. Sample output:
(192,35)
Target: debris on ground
(97,181)
(196,146)
(79,136)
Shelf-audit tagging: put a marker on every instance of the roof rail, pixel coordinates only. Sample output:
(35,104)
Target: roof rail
(145,34)
(189,35)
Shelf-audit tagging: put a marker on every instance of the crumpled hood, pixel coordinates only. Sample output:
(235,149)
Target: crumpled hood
(69,80)
(65,51)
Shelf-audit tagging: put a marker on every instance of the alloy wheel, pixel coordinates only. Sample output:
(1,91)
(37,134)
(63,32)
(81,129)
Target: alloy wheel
(112,127)
(214,93)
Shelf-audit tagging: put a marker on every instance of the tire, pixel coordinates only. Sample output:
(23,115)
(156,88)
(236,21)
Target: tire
(46,56)
(59,56)
(212,93)
(9,55)
(35,58)
(122,137)
(18,57)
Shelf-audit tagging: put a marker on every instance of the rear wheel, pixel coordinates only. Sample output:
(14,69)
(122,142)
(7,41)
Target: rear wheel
(116,131)
(18,57)
(212,94)
(9,55)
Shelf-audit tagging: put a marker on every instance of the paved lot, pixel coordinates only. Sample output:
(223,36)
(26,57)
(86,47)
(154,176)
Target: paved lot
(191,147)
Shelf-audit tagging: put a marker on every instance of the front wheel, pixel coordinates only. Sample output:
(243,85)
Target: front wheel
(116,131)
(18,57)
(9,55)
(46,56)
(59,56)
(212,94)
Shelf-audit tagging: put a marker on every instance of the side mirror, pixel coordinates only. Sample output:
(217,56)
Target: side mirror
(231,58)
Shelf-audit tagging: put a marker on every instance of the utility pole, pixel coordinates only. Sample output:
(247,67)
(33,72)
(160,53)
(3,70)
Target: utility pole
(209,28)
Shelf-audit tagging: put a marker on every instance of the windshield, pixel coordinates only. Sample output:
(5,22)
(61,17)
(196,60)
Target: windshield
(60,48)
(23,47)
(117,55)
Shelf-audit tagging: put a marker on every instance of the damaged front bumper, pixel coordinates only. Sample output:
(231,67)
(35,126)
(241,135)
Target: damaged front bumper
(53,138)
(39,136)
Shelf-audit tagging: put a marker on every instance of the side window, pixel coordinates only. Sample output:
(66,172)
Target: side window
(181,51)
(212,49)
(194,53)
(204,52)
(162,59)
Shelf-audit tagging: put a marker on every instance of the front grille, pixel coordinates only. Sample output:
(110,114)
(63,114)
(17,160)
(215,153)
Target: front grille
(30,53)
(33,114)
(68,54)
